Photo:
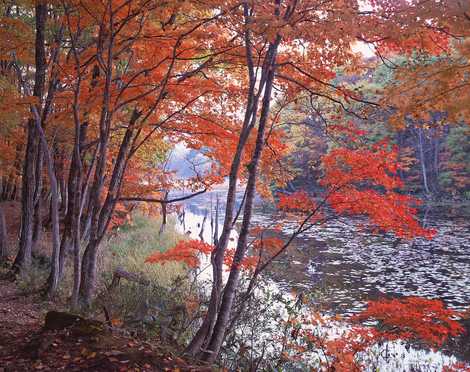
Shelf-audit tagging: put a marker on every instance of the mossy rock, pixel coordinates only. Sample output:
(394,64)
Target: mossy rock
(57,320)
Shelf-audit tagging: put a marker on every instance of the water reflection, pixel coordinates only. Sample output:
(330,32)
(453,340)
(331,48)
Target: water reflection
(345,266)
(349,265)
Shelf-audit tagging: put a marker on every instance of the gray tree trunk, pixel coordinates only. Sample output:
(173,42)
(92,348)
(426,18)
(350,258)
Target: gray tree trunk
(23,258)
(3,237)
(422,158)
(223,316)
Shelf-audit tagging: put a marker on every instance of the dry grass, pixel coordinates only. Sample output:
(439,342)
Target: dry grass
(132,244)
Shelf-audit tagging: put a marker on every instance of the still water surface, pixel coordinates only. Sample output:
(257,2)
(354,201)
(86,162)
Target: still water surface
(344,266)
(348,266)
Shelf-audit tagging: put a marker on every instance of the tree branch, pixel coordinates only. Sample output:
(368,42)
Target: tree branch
(162,201)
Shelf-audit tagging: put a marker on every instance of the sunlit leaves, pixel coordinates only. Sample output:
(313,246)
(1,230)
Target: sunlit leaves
(410,320)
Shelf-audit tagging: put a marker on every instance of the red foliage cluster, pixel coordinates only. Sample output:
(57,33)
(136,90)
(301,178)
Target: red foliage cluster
(456,367)
(349,130)
(365,182)
(185,251)
(270,245)
(248,262)
(263,248)
(376,166)
(298,201)
(414,319)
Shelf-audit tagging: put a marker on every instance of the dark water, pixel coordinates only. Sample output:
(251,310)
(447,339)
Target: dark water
(345,266)
(341,267)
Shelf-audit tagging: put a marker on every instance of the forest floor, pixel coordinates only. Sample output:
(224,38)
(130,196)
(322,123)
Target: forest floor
(27,345)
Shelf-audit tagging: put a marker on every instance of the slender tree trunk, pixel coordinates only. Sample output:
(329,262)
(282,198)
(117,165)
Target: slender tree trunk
(55,219)
(422,158)
(23,258)
(64,200)
(75,211)
(436,161)
(10,182)
(217,258)
(164,214)
(77,274)
(65,244)
(101,221)
(3,237)
(68,219)
(38,225)
(94,204)
(225,309)
(38,201)
(204,333)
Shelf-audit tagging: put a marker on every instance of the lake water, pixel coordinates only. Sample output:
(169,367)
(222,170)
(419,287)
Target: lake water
(345,266)
(348,265)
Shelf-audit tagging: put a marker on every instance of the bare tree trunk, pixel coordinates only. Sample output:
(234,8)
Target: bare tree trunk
(65,244)
(54,283)
(101,220)
(204,333)
(38,202)
(38,225)
(10,183)
(64,196)
(3,237)
(225,309)
(23,258)
(94,204)
(201,232)
(436,161)
(73,212)
(423,161)
(164,214)
(76,212)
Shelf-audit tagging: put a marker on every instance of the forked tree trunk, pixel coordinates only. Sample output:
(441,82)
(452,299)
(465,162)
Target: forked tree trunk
(204,333)
(54,282)
(223,316)
(102,216)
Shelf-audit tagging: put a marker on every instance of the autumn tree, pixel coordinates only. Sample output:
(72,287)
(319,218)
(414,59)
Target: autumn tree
(119,77)
(282,54)
(113,81)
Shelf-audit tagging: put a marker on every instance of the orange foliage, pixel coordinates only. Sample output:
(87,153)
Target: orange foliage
(248,262)
(298,201)
(270,245)
(185,251)
(414,319)
(365,182)
(411,319)
(456,367)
